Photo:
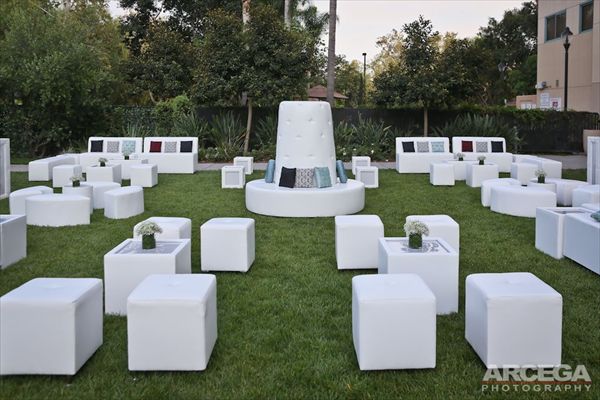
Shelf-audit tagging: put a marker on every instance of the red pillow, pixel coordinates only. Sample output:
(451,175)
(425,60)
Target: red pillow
(155,147)
(467,146)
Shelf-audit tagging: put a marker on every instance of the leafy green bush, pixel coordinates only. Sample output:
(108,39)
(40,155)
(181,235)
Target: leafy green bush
(366,138)
(226,133)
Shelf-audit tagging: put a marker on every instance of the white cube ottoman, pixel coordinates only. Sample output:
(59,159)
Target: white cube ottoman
(17,198)
(585,194)
(108,173)
(440,226)
(476,173)
(488,184)
(57,210)
(246,162)
(460,168)
(13,239)
(357,241)
(369,176)
(393,322)
(546,185)
(124,202)
(61,174)
(232,177)
(564,189)
(172,227)
(50,326)
(172,323)
(127,164)
(513,319)
(144,175)
(128,264)
(86,191)
(581,238)
(98,190)
(520,201)
(523,172)
(441,174)
(227,244)
(549,229)
(360,161)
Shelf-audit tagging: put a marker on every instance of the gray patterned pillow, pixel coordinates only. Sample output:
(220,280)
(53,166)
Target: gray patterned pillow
(112,146)
(422,147)
(170,147)
(481,147)
(305,178)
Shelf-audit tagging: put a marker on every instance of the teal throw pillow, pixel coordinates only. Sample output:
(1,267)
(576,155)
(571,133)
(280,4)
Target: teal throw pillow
(128,147)
(322,177)
(341,172)
(437,147)
(270,172)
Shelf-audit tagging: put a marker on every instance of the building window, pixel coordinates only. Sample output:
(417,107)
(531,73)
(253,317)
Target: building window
(587,16)
(555,25)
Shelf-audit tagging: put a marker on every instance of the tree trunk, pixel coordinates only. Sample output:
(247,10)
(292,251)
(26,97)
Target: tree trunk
(425,121)
(245,11)
(287,17)
(331,52)
(248,127)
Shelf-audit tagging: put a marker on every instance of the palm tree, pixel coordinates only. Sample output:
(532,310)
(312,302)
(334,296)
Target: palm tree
(331,52)
(246,20)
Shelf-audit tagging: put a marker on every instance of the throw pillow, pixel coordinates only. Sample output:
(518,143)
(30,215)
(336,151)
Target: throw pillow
(288,177)
(341,171)
(96,146)
(305,178)
(481,147)
(170,147)
(467,146)
(270,171)
(423,147)
(596,216)
(185,146)
(128,147)
(322,177)
(497,146)
(437,147)
(408,147)
(155,147)
(112,146)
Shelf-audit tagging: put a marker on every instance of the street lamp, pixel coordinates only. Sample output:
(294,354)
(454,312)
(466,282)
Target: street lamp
(567,32)
(364,80)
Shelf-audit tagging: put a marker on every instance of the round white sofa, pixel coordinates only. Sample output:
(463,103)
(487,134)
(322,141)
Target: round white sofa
(270,199)
(520,201)
(17,198)
(488,184)
(58,210)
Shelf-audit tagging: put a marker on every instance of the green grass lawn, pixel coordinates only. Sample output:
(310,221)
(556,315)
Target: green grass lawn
(285,327)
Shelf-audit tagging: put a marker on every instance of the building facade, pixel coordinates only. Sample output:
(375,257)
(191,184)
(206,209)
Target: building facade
(583,19)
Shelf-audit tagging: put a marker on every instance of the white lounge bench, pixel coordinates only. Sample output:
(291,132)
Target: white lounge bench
(552,168)
(493,148)
(41,170)
(488,184)
(57,210)
(520,201)
(414,154)
(17,198)
(111,148)
(172,155)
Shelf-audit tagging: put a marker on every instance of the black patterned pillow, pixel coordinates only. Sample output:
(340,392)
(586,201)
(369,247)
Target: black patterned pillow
(305,178)
(481,147)
(170,147)
(96,146)
(112,146)
(422,147)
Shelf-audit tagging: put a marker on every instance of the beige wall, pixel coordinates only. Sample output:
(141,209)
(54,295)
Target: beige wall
(584,57)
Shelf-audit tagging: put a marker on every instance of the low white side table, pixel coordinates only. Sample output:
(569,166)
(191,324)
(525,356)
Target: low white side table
(233,177)
(369,176)
(109,173)
(144,175)
(127,164)
(478,173)
(13,239)
(246,162)
(360,161)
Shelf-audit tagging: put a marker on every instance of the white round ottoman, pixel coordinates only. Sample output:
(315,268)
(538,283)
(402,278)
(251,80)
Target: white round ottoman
(58,210)
(98,190)
(520,201)
(488,184)
(144,175)
(61,174)
(86,191)
(124,202)
(586,194)
(17,198)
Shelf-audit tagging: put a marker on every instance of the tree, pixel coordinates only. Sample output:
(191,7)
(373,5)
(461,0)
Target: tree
(331,52)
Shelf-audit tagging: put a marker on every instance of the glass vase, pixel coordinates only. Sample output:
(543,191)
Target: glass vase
(76,184)
(541,179)
(415,241)
(148,242)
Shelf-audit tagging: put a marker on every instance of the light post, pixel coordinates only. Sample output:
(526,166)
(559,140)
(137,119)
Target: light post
(502,67)
(567,32)
(364,79)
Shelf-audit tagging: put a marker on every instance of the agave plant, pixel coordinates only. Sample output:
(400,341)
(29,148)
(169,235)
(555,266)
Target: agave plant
(227,134)
(188,124)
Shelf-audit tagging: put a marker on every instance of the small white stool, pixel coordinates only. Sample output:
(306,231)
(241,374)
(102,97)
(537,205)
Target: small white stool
(357,241)
(58,210)
(172,228)
(440,226)
(61,174)
(513,319)
(476,173)
(565,189)
(13,239)
(393,322)
(86,191)
(368,175)
(50,326)
(144,175)
(549,229)
(172,323)
(232,177)
(17,198)
(98,190)
(227,244)
(441,174)
(523,172)
(124,202)
(360,161)
(488,184)
(586,194)
(246,162)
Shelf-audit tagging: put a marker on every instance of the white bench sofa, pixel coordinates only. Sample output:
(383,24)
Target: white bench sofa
(41,170)
(492,148)
(520,201)
(111,148)
(172,155)
(552,168)
(415,154)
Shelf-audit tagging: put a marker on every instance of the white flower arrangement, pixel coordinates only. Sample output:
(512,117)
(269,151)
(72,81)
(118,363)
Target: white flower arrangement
(148,228)
(458,156)
(76,178)
(416,228)
(481,158)
(102,160)
(540,172)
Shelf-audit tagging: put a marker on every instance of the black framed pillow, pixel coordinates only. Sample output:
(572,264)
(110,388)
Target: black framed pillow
(288,177)
(185,146)
(497,147)
(96,146)
(408,147)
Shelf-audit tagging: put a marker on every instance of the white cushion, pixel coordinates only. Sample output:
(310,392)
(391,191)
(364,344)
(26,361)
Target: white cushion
(356,241)
(172,227)
(440,226)
(520,201)
(124,202)
(58,210)
(17,198)
(227,244)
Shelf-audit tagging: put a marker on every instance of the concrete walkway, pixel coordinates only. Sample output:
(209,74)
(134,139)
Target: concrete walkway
(569,162)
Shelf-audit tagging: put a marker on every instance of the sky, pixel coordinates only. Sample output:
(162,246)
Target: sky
(361,22)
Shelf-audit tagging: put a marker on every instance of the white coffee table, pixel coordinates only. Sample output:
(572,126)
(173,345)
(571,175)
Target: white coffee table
(126,165)
(108,173)
(478,173)
(128,264)
(13,239)
(436,263)
(549,229)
